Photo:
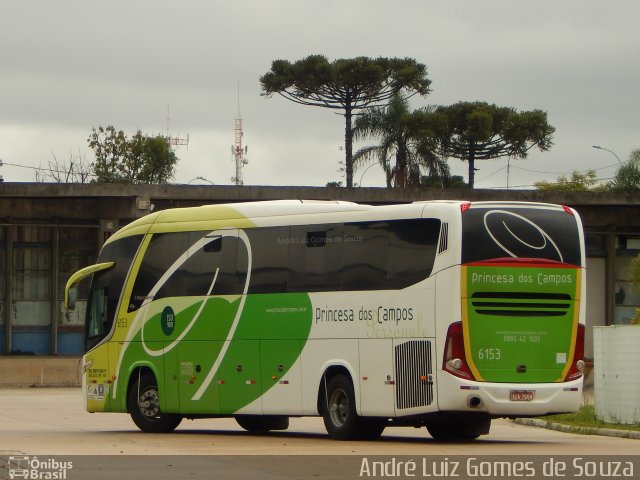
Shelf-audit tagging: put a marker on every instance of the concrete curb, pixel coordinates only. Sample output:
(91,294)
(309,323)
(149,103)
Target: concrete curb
(559,427)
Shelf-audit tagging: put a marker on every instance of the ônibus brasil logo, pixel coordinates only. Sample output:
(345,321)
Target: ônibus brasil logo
(35,469)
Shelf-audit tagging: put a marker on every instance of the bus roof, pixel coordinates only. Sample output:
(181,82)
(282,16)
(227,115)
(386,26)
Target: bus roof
(240,213)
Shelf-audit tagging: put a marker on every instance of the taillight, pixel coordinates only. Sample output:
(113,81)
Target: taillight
(455,361)
(465,206)
(577,364)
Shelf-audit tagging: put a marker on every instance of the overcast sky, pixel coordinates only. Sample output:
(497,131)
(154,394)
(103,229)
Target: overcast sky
(67,66)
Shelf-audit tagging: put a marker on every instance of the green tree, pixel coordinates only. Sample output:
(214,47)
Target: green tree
(349,85)
(436,181)
(480,131)
(110,149)
(334,184)
(627,179)
(139,159)
(577,182)
(406,143)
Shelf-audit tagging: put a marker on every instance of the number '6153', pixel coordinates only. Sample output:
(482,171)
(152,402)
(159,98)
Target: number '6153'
(489,354)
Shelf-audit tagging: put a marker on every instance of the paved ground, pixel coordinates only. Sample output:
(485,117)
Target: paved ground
(52,422)
(50,425)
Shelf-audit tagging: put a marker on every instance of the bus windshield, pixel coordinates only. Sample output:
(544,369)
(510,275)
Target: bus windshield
(526,233)
(106,288)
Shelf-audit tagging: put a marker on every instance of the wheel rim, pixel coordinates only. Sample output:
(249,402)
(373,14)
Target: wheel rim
(149,403)
(339,407)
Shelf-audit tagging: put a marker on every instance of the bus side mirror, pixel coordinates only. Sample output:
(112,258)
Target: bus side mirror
(72,295)
(71,288)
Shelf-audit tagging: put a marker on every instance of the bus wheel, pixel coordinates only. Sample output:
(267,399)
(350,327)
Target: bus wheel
(143,402)
(262,423)
(460,429)
(339,409)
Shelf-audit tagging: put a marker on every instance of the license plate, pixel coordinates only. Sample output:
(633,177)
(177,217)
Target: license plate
(522,395)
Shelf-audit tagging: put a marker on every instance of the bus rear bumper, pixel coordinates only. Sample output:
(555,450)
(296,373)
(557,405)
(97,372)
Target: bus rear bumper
(513,399)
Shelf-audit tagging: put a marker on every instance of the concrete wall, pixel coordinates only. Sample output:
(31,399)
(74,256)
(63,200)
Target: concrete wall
(616,373)
(31,371)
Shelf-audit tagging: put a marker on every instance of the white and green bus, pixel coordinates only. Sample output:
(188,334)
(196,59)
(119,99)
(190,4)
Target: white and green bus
(437,314)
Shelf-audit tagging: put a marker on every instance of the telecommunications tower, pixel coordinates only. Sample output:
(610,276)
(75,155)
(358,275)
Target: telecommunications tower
(175,141)
(238,152)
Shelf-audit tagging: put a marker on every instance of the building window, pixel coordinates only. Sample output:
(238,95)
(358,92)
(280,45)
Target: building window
(32,267)
(626,294)
(32,276)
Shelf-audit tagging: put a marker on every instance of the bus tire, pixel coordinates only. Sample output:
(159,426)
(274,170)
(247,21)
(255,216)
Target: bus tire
(458,429)
(262,423)
(143,403)
(339,409)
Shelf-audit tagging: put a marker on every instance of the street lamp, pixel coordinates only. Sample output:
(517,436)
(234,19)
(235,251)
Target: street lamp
(200,178)
(365,171)
(607,150)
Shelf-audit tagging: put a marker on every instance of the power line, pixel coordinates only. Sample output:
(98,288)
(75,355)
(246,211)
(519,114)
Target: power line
(533,185)
(539,171)
(548,173)
(491,174)
(563,173)
(608,166)
(32,168)
(42,169)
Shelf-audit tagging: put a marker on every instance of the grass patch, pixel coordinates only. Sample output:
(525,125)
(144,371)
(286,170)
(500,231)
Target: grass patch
(586,418)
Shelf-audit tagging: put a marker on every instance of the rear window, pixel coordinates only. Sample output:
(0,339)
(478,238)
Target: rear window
(490,233)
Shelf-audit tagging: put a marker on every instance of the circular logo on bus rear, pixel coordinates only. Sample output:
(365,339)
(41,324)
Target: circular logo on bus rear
(168,320)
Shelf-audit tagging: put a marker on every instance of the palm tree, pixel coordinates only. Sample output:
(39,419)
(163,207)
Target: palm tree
(406,144)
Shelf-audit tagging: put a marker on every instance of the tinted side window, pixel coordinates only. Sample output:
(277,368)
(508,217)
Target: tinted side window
(270,250)
(315,258)
(412,251)
(212,256)
(162,252)
(225,255)
(365,256)
(306,258)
